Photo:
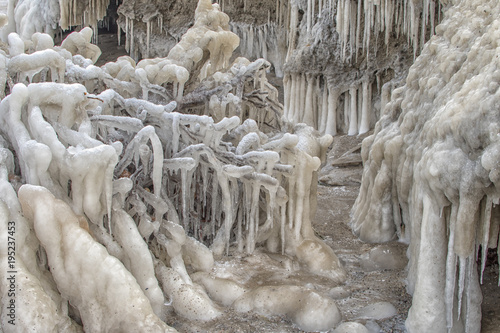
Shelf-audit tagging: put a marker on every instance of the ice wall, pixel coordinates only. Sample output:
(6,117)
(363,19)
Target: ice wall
(430,175)
(131,177)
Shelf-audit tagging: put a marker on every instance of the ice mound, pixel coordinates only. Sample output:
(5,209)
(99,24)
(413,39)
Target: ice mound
(351,327)
(429,175)
(307,309)
(383,257)
(377,311)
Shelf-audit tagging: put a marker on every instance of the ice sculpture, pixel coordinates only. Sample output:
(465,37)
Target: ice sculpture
(137,176)
(430,175)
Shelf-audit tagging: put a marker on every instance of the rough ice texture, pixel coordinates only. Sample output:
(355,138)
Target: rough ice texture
(429,177)
(308,310)
(108,297)
(152,170)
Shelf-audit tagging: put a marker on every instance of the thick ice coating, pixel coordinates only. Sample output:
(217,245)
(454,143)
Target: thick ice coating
(139,176)
(308,310)
(107,297)
(429,176)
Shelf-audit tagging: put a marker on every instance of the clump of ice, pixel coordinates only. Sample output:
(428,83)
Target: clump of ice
(383,257)
(307,309)
(108,297)
(351,327)
(377,311)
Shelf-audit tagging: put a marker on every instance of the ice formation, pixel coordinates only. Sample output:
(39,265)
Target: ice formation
(430,175)
(133,177)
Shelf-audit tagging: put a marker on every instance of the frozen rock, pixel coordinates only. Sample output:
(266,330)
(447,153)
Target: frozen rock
(377,311)
(305,308)
(320,259)
(351,327)
(384,257)
(224,291)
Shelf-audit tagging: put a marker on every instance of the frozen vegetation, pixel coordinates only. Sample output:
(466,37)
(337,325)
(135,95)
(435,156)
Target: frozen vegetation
(131,184)
(125,181)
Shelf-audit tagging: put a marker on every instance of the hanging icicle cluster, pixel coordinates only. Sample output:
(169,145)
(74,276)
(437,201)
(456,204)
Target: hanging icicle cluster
(360,22)
(332,107)
(82,13)
(268,41)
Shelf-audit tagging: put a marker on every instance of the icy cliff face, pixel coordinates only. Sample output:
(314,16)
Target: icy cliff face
(431,169)
(125,181)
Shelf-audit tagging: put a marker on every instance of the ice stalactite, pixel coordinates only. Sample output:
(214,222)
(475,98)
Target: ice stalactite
(430,175)
(320,103)
(73,13)
(125,164)
(411,18)
(266,41)
(357,26)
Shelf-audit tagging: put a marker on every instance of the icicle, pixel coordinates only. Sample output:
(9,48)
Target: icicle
(286,99)
(331,120)
(461,282)
(215,203)
(308,110)
(132,39)
(353,118)
(239,237)
(254,217)
(309,15)
(127,37)
(294,12)
(291,96)
(486,218)
(302,97)
(148,36)
(298,100)
(346,23)
(324,110)
(451,269)
(366,108)
(313,12)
